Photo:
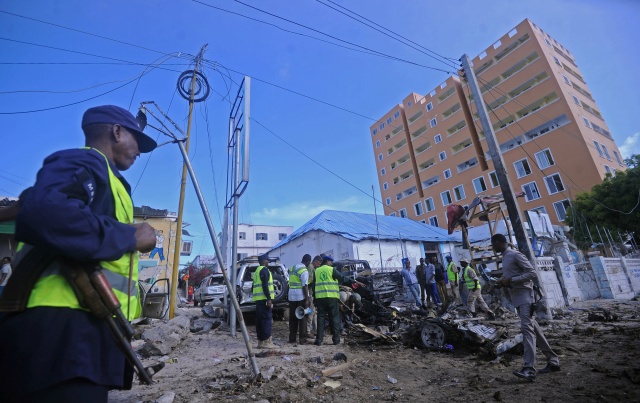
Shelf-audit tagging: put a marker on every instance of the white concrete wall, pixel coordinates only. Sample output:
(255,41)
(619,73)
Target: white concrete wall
(632,269)
(570,281)
(550,283)
(611,277)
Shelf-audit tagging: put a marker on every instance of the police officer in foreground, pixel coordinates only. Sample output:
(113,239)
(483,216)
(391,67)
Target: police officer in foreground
(327,295)
(263,294)
(80,208)
(518,276)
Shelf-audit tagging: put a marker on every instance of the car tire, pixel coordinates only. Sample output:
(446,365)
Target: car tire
(280,287)
(202,302)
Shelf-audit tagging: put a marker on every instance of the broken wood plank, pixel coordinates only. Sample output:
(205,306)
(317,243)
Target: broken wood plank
(337,368)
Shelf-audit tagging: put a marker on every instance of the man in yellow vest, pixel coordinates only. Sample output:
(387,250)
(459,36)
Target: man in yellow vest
(80,208)
(327,295)
(471,281)
(299,297)
(452,276)
(263,294)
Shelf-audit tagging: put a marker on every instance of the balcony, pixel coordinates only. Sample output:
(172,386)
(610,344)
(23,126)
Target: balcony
(461,146)
(399,161)
(582,91)
(573,73)
(468,164)
(423,148)
(415,117)
(540,103)
(546,127)
(456,128)
(419,132)
(430,162)
(528,84)
(513,46)
(506,146)
(403,177)
(446,94)
(431,181)
(398,145)
(455,108)
(520,65)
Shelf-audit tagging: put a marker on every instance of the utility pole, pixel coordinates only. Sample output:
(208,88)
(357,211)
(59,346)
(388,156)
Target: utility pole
(183,184)
(373,194)
(509,197)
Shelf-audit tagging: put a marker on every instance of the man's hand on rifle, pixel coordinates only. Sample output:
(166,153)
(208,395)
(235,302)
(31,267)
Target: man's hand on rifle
(504,282)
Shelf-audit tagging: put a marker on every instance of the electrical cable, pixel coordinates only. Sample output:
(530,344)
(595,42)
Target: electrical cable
(447,61)
(201,90)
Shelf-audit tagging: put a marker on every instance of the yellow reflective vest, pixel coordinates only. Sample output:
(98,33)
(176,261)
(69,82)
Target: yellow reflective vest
(52,289)
(295,273)
(257,293)
(468,281)
(325,285)
(451,275)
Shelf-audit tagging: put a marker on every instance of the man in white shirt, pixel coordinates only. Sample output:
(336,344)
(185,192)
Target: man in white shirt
(5,272)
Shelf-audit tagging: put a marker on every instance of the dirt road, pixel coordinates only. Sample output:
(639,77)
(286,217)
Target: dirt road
(600,362)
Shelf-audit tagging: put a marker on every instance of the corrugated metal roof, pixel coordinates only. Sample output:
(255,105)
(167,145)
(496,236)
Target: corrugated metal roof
(359,226)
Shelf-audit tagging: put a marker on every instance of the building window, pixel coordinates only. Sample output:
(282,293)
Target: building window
(398,196)
(576,100)
(531,191)
(396,115)
(379,157)
(385,185)
(389,121)
(566,80)
(497,44)
(598,148)
(392,215)
(242,235)
(442,155)
(381,126)
(555,59)
(418,208)
(262,236)
(383,171)
(615,153)
(375,131)
(429,204)
(443,85)
(586,122)
(615,171)
(545,159)
(433,122)
(554,183)
(458,191)
(446,198)
(403,213)
(561,208)
(388,201)
(606,152)
(409,103)
(493,178)
(541,209)
(437,138)
(377,143)
(433,221)
(281,236)
(479,185)
(522,168)
(447,173)
(429,106)
(606,168)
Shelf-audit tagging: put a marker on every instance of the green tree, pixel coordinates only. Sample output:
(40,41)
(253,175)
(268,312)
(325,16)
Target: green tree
(612,204)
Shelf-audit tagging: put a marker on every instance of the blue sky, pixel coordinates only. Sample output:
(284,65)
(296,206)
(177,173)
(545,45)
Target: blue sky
(100,46)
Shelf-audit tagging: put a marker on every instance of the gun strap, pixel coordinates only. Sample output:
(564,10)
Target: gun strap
(24,277)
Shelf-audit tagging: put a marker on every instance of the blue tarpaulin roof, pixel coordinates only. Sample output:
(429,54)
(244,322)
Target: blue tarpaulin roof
(359,226)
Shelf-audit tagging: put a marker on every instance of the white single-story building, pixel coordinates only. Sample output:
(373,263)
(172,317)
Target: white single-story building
(381,240)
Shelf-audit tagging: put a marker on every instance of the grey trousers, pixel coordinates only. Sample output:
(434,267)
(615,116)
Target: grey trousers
(533,335)
(476,296)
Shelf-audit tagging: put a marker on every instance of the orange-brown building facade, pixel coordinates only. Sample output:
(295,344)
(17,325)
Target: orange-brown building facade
(430,150)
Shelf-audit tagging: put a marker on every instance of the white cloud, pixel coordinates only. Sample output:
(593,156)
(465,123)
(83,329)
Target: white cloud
(630,146)
(299,213)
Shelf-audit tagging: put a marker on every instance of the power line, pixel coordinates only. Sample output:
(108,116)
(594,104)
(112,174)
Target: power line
(446,60)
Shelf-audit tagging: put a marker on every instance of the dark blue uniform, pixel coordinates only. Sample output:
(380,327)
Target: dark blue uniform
(70,211)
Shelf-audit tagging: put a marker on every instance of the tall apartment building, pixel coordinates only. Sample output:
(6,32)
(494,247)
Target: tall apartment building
(430,150)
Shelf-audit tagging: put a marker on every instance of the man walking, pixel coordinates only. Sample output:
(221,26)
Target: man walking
(298,297)
(411,281)
(518,276)
(422,280)
(472,283)
(79,210)
(262,294)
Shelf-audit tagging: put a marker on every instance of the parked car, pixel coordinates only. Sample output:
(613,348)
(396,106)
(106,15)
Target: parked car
(382,287)
(210,287)
(244,283)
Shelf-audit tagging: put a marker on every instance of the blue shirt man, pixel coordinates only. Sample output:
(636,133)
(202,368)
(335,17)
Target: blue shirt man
(411,281)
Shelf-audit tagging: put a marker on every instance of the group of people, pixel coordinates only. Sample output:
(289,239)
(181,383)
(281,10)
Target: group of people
(313,283)
(80,208)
